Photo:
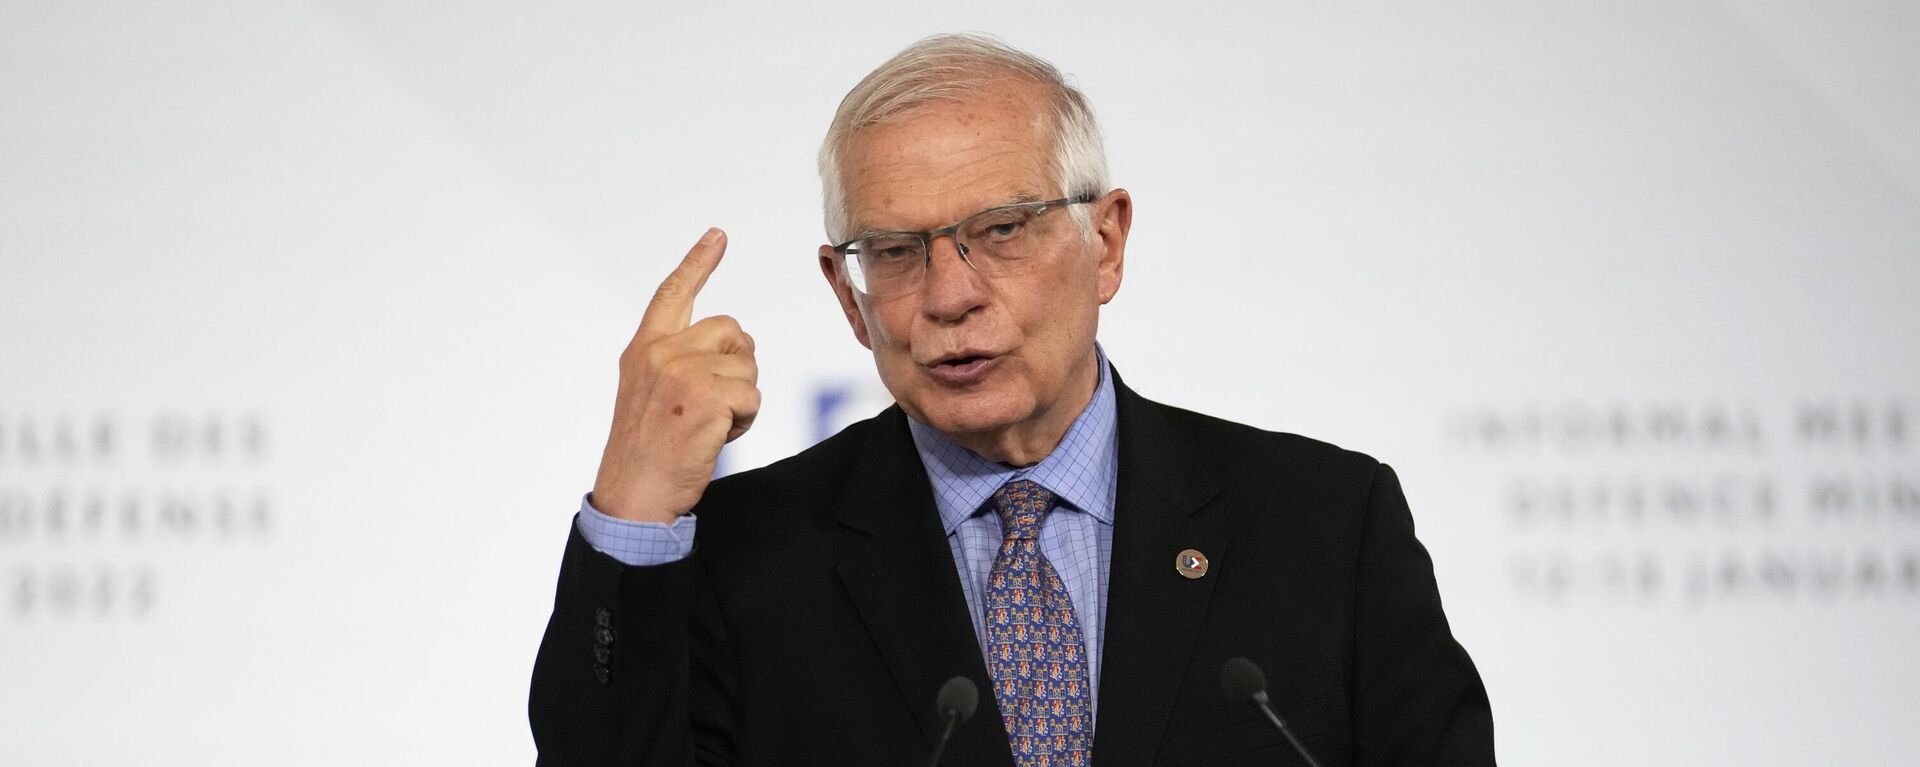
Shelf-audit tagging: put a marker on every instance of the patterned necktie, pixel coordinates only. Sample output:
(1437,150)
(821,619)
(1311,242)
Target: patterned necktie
(1035,650)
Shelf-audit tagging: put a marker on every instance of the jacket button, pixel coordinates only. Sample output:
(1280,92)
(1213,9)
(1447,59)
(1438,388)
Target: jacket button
(602,675)
(601,654)
(602,618)
(603,636)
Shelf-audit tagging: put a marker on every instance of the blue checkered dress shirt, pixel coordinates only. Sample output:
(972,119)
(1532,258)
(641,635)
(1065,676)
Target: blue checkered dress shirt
(1077,537)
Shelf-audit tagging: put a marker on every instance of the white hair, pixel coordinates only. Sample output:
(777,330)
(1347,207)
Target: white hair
(955,67)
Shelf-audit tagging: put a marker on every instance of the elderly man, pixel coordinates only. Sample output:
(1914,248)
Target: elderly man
(1020,518)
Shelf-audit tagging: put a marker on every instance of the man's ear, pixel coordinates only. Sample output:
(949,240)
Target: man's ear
(829,268)
(1113,218)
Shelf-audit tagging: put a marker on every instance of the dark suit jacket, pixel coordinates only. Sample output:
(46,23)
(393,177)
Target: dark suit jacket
(821,611)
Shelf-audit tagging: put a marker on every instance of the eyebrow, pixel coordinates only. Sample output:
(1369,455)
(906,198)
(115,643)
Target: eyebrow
(1021,198)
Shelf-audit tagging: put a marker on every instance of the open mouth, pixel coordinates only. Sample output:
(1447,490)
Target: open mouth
(961,368)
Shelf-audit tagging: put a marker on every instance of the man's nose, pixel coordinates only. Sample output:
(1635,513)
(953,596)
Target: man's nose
(951,288)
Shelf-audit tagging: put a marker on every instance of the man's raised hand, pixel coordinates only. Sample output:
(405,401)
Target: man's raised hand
(685,390)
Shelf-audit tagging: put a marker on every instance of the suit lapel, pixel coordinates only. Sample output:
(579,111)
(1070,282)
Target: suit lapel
(1153,613)
(899,572)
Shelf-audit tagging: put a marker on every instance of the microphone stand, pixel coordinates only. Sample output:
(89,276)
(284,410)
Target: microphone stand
(951,718)
(1266,707)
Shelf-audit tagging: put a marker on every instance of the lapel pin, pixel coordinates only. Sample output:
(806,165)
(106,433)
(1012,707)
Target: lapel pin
(1190,564)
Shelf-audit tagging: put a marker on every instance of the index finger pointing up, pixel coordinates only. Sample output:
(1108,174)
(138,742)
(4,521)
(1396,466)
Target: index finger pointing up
(672,306)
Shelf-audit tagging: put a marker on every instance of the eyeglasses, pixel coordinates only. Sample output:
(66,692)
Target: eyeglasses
(997,242)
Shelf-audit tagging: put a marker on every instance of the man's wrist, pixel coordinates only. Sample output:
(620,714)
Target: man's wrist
(631,511)
(635,543)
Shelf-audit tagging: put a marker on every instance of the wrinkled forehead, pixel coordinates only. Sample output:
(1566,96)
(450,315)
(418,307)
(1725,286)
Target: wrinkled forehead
(944,160)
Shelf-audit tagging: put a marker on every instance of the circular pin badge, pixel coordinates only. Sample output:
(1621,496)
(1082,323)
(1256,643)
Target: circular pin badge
(1191,564)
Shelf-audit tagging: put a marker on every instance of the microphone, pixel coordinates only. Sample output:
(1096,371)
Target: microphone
(1243,682)
(956,701)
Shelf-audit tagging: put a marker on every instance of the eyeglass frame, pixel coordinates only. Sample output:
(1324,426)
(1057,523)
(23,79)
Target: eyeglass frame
(926,238)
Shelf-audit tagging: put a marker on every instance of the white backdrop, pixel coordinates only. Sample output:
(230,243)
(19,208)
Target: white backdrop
(309,312)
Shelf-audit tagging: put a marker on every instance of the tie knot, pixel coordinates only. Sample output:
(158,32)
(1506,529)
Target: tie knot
(1022,504)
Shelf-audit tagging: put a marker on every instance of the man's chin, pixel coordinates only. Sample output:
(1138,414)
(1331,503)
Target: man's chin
(977,413)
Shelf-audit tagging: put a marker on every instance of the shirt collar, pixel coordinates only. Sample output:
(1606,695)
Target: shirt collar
(1081,471)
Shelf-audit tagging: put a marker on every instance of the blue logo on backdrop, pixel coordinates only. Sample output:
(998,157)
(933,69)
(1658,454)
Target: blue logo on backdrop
(834,405)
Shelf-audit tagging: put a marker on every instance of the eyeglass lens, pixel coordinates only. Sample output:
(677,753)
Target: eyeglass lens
(996,242)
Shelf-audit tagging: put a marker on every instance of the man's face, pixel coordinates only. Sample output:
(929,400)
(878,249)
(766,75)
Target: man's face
(1002,364)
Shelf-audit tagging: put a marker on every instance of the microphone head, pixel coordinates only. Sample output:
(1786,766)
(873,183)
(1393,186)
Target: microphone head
(960,696)
(1243,681)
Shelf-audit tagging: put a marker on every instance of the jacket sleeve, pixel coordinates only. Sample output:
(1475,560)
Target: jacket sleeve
(632,669)
(1418,697)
